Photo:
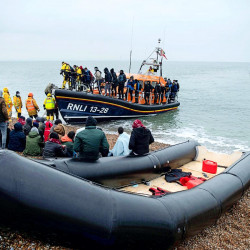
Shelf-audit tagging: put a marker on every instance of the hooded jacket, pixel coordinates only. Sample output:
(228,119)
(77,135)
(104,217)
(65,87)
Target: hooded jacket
(53,149)
(3,111)
(68,143)
(48,126)
(108,77)
(33,144)
(139,140)
(17,138)
(27,127)
(121,145)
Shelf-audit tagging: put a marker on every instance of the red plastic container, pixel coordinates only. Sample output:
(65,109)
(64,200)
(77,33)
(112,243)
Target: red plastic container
(192,183)
(209,166)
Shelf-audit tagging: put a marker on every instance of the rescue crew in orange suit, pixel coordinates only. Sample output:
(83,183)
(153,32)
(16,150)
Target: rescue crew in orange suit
(17,101)
(49,105)
(32,106)
(8,102)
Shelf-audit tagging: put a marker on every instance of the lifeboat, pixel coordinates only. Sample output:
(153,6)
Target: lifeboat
(125,201)
(75,107)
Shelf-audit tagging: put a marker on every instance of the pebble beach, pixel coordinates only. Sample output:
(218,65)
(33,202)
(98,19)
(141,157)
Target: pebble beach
(231,231)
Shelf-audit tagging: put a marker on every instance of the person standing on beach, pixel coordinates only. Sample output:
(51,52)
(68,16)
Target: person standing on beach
(140,139)
(8,102)
(17,101)
(121,81)
(3,121)
(32,106)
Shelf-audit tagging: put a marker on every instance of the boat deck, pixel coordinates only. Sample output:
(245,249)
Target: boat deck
(223,161)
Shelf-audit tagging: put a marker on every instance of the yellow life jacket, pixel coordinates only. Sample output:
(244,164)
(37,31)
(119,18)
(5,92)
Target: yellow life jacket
(29,104)
(49,103)
(7,99)
(17,101)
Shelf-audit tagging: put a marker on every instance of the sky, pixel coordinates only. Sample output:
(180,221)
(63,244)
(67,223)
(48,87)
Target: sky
(191,30)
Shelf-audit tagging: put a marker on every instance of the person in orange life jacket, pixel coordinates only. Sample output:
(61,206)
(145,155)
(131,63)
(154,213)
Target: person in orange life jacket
(32,106)
(157,93)
(114,82)
(108,80)
(137,88)
(147,91)
(68,141)
(121,81)
(140,139)
(88,77)
(17,101)
(54,148)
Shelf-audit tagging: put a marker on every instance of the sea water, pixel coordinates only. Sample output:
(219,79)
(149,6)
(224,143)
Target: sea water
(214,97)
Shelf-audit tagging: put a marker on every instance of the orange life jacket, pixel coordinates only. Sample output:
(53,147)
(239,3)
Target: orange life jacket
(29,104)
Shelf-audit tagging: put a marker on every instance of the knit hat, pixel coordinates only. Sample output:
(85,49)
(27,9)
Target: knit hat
(36,124)
(91,121)
(138,124)
(35,130)
(54,135)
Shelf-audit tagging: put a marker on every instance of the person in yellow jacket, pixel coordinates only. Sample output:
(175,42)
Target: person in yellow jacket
(8,102)
(49,105)
(78,71)
(31,106)
(17,101)
(65,71)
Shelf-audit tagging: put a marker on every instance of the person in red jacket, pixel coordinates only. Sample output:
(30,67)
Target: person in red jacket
(48,126)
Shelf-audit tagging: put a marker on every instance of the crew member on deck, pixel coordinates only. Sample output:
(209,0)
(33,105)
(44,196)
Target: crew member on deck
(130,87)
(147,92)
(17,101)
(121,81)
(157,93)
(137,88)
(65,71)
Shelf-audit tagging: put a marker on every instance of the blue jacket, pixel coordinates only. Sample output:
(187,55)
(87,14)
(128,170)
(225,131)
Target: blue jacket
(131,84)
(17,138)
(121,145)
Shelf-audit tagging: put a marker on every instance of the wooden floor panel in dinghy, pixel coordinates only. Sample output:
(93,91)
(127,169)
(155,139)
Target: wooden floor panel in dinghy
(195,167)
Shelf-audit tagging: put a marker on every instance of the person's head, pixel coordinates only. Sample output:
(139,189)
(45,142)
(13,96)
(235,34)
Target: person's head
(54,135)
(112,70)
(85,68)
(49,95)
(137,124)
(91,121)
(63,63)
(106,70)
(29,121)
(34,129)
(42,120)
(96,68)
(131,78)
(36,124)
(18,126)
(18,94)
(71,135)
(136,81)
(58,121)
(5,90)
(74,66)
(38,119)
(1,93)
(121,71)
(30,95)
(120,130)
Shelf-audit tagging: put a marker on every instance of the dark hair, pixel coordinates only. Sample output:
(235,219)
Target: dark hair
(71,135)
(54,135)
(57,121)
(120,130)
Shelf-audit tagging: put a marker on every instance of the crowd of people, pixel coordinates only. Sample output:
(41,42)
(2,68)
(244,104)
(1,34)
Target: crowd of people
(38,137)
(77,77)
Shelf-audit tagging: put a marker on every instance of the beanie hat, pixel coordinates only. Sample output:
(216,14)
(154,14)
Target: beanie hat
(35,130)
(91,121)
(35,124)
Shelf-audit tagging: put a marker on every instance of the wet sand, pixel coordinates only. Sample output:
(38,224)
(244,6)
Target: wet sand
(230,232)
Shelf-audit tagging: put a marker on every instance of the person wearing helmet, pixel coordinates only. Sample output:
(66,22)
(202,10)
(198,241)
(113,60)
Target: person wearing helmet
(8,102)
(65,71)
(17,101)
(49,105)
(32,106)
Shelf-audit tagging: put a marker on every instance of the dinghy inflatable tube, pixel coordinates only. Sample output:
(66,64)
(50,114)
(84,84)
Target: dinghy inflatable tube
(30,189)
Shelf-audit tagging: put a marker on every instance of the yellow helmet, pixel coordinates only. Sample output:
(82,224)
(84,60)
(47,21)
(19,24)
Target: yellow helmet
(5,89)
(49,95)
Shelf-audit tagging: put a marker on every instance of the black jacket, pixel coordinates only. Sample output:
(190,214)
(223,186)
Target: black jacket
(53,149)
(139,140)
(108,77)
(157,88)
(121,80)
(17,140)
(148,88)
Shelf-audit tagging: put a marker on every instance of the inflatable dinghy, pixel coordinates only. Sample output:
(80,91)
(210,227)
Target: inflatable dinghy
(111,201)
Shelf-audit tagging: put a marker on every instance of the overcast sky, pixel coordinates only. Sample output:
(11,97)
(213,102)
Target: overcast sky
(191,30)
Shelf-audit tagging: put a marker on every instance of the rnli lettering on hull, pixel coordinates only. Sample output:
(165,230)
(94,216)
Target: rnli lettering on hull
(86,108)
